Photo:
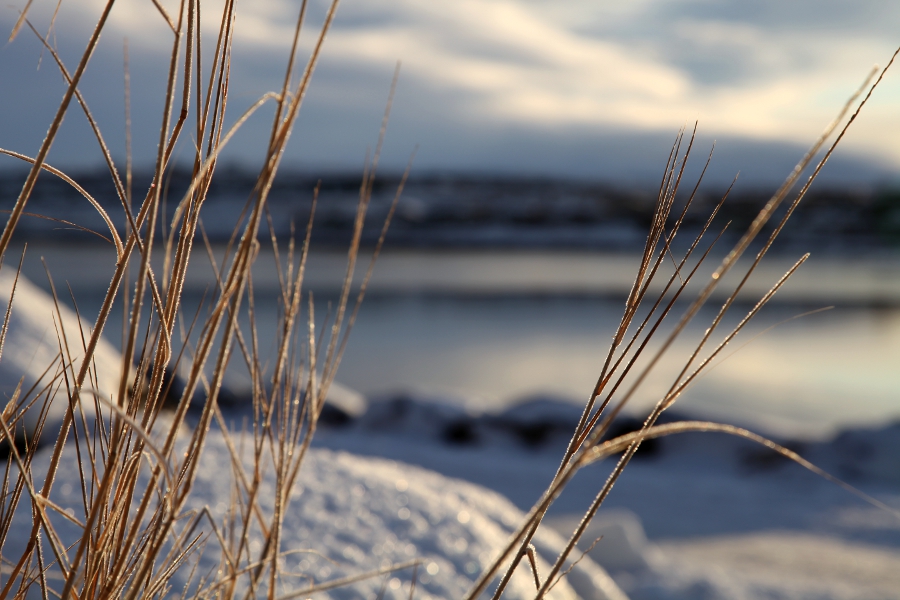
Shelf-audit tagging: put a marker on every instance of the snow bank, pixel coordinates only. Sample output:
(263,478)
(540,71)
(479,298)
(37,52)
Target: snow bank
(350,515)
(41,340)
(726,520)
(715,506)
(777,564)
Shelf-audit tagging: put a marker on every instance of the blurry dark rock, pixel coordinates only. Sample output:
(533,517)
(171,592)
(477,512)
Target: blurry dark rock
(174,386)
(535,434)
(869,453)
(543,408)
(334,416)
(389,413)
(342,406)
(760,458)
(461,433)
(537,420)
(432,419)
(19,442)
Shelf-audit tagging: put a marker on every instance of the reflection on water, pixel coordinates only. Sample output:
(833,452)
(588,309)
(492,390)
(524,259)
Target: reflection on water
(805,376)
(801,376)
(490,327)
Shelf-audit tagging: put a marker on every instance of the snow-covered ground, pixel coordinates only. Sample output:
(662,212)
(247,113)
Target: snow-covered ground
(700,516)
(696,516)
(351,515)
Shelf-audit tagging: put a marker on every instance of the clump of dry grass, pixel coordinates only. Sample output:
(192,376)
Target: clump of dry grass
(136,467)
(620,378)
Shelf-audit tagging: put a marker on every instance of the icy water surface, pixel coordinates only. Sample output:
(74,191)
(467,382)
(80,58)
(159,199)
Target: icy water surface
(805,376)
(488,328)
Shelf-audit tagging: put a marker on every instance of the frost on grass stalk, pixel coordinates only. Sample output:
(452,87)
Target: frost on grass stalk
(619,379)
(135,469)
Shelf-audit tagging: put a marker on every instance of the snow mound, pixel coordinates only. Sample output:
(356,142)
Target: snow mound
(622,545)
(783,565)
(351,514)
(777,564)
(39,335)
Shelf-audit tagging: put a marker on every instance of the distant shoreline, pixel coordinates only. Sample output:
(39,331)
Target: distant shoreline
(470,211)
(871,281)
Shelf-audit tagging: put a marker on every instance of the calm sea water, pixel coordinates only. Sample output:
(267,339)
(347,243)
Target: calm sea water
(489,328)
(806,376)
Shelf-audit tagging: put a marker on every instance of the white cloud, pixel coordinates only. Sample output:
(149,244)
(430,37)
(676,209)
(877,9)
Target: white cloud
(517,65)
(523,67)
(779,73)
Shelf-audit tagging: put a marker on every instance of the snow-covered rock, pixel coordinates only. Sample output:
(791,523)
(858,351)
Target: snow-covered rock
(544,422)
(42,340)
(424,419)
(865,454)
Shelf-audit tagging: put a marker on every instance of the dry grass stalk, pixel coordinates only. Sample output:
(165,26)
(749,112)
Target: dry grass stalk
(585,446)
(134,533)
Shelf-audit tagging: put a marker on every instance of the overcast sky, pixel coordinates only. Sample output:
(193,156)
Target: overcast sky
(579,88)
